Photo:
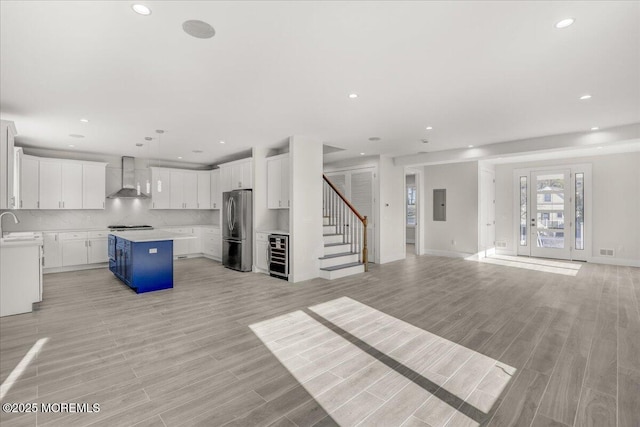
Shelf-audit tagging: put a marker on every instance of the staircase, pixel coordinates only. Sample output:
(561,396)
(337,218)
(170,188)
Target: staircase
(344,233)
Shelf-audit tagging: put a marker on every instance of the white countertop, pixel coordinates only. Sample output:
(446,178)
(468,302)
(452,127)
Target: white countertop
(150,235)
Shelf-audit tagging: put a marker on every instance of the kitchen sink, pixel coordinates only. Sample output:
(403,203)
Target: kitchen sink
(18,237)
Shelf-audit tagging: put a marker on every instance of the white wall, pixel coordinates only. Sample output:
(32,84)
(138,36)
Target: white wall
(391,220)
(616,204)
(307,244)
(458,235)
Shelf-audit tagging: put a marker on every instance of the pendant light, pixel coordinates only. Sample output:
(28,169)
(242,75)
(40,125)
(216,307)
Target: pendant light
(159,132)
(138,182)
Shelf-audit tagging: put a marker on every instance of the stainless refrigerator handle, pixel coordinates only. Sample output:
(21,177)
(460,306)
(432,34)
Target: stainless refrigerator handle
(232,214)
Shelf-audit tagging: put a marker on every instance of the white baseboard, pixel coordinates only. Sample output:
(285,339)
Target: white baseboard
(450,254)
(504,251)
(74,268)
(615,261)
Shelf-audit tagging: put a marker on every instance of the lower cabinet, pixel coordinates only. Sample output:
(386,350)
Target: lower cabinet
(52,250)
(74,248)
(97,247)
(212,242)
(262,251)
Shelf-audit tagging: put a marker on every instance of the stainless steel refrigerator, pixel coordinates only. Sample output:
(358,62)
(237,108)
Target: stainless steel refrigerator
(237,235)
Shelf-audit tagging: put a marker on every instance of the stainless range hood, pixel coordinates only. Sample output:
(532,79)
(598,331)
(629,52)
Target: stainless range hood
(128,190)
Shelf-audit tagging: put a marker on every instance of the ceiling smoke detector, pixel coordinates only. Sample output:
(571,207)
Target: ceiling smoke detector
(198,29)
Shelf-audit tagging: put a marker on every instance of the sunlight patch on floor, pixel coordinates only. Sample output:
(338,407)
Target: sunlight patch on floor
(565,268)
(364,366)
(21,367)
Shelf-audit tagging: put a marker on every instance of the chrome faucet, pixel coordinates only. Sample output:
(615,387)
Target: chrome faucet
(15,219)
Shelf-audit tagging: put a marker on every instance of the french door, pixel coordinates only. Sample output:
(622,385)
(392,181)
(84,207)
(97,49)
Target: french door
(551,210)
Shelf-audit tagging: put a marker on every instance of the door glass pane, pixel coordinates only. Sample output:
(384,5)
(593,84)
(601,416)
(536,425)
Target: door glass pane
(580,211)
(550,211)
(523,211)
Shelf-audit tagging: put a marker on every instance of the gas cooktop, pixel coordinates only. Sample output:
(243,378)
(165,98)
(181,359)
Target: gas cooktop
(129,227)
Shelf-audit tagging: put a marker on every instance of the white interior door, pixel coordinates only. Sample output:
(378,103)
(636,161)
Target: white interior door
(550,220)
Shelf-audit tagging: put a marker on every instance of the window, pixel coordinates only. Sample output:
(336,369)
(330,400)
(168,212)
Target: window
(580,211)
(523,211)
(547,197)
(411,205)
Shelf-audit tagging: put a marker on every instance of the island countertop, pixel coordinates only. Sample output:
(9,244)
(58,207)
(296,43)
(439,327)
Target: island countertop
(150,235)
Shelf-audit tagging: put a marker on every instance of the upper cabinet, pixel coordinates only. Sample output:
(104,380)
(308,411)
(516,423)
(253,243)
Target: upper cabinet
(29,182)
(236,175)
(160,188)
(278,181)
(216,189)
(180,189)
(8,199)
(66,184)
(204,190)
(184,189)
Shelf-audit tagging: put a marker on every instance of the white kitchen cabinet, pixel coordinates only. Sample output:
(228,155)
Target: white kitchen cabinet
(71,186)
(262,251)
(216,189)
(225,179)
(97,247)
(212,242)
(8,199)
(184,190)
(237,175)
(50,184)
(62,184)
(52,250)
(29,182)
(74,248)
(175,190)
(20,278)
(204,189)
(278,182)
(160,188)
(93,186)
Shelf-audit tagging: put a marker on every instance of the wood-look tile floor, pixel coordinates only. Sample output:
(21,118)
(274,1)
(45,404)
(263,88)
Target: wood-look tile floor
(427,341)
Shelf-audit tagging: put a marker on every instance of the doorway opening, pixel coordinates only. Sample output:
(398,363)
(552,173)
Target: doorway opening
(412,211)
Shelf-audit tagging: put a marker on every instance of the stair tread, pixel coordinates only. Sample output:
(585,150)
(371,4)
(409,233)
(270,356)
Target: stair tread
(336,244)
(329,256)
(342,266)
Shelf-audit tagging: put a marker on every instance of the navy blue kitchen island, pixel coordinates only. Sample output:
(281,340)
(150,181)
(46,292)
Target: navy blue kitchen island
(143,259)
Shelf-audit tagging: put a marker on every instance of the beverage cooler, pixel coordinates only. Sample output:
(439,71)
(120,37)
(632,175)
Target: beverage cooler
(279,256)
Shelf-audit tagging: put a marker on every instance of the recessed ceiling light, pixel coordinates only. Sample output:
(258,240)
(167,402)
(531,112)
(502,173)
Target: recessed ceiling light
(76,135)
(424,141)
(71,145)
(362,154)
(470,146)
(353,95)
(374,138)
(141,9)
(84,120)
(179,157)
(565,23)
(599,148)
(595,128)
(221,142)
(147,138)
(139,144)
(197,151)
(583,97)
(429,127)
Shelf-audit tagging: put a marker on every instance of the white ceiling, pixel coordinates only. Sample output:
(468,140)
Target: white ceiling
(478,72)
